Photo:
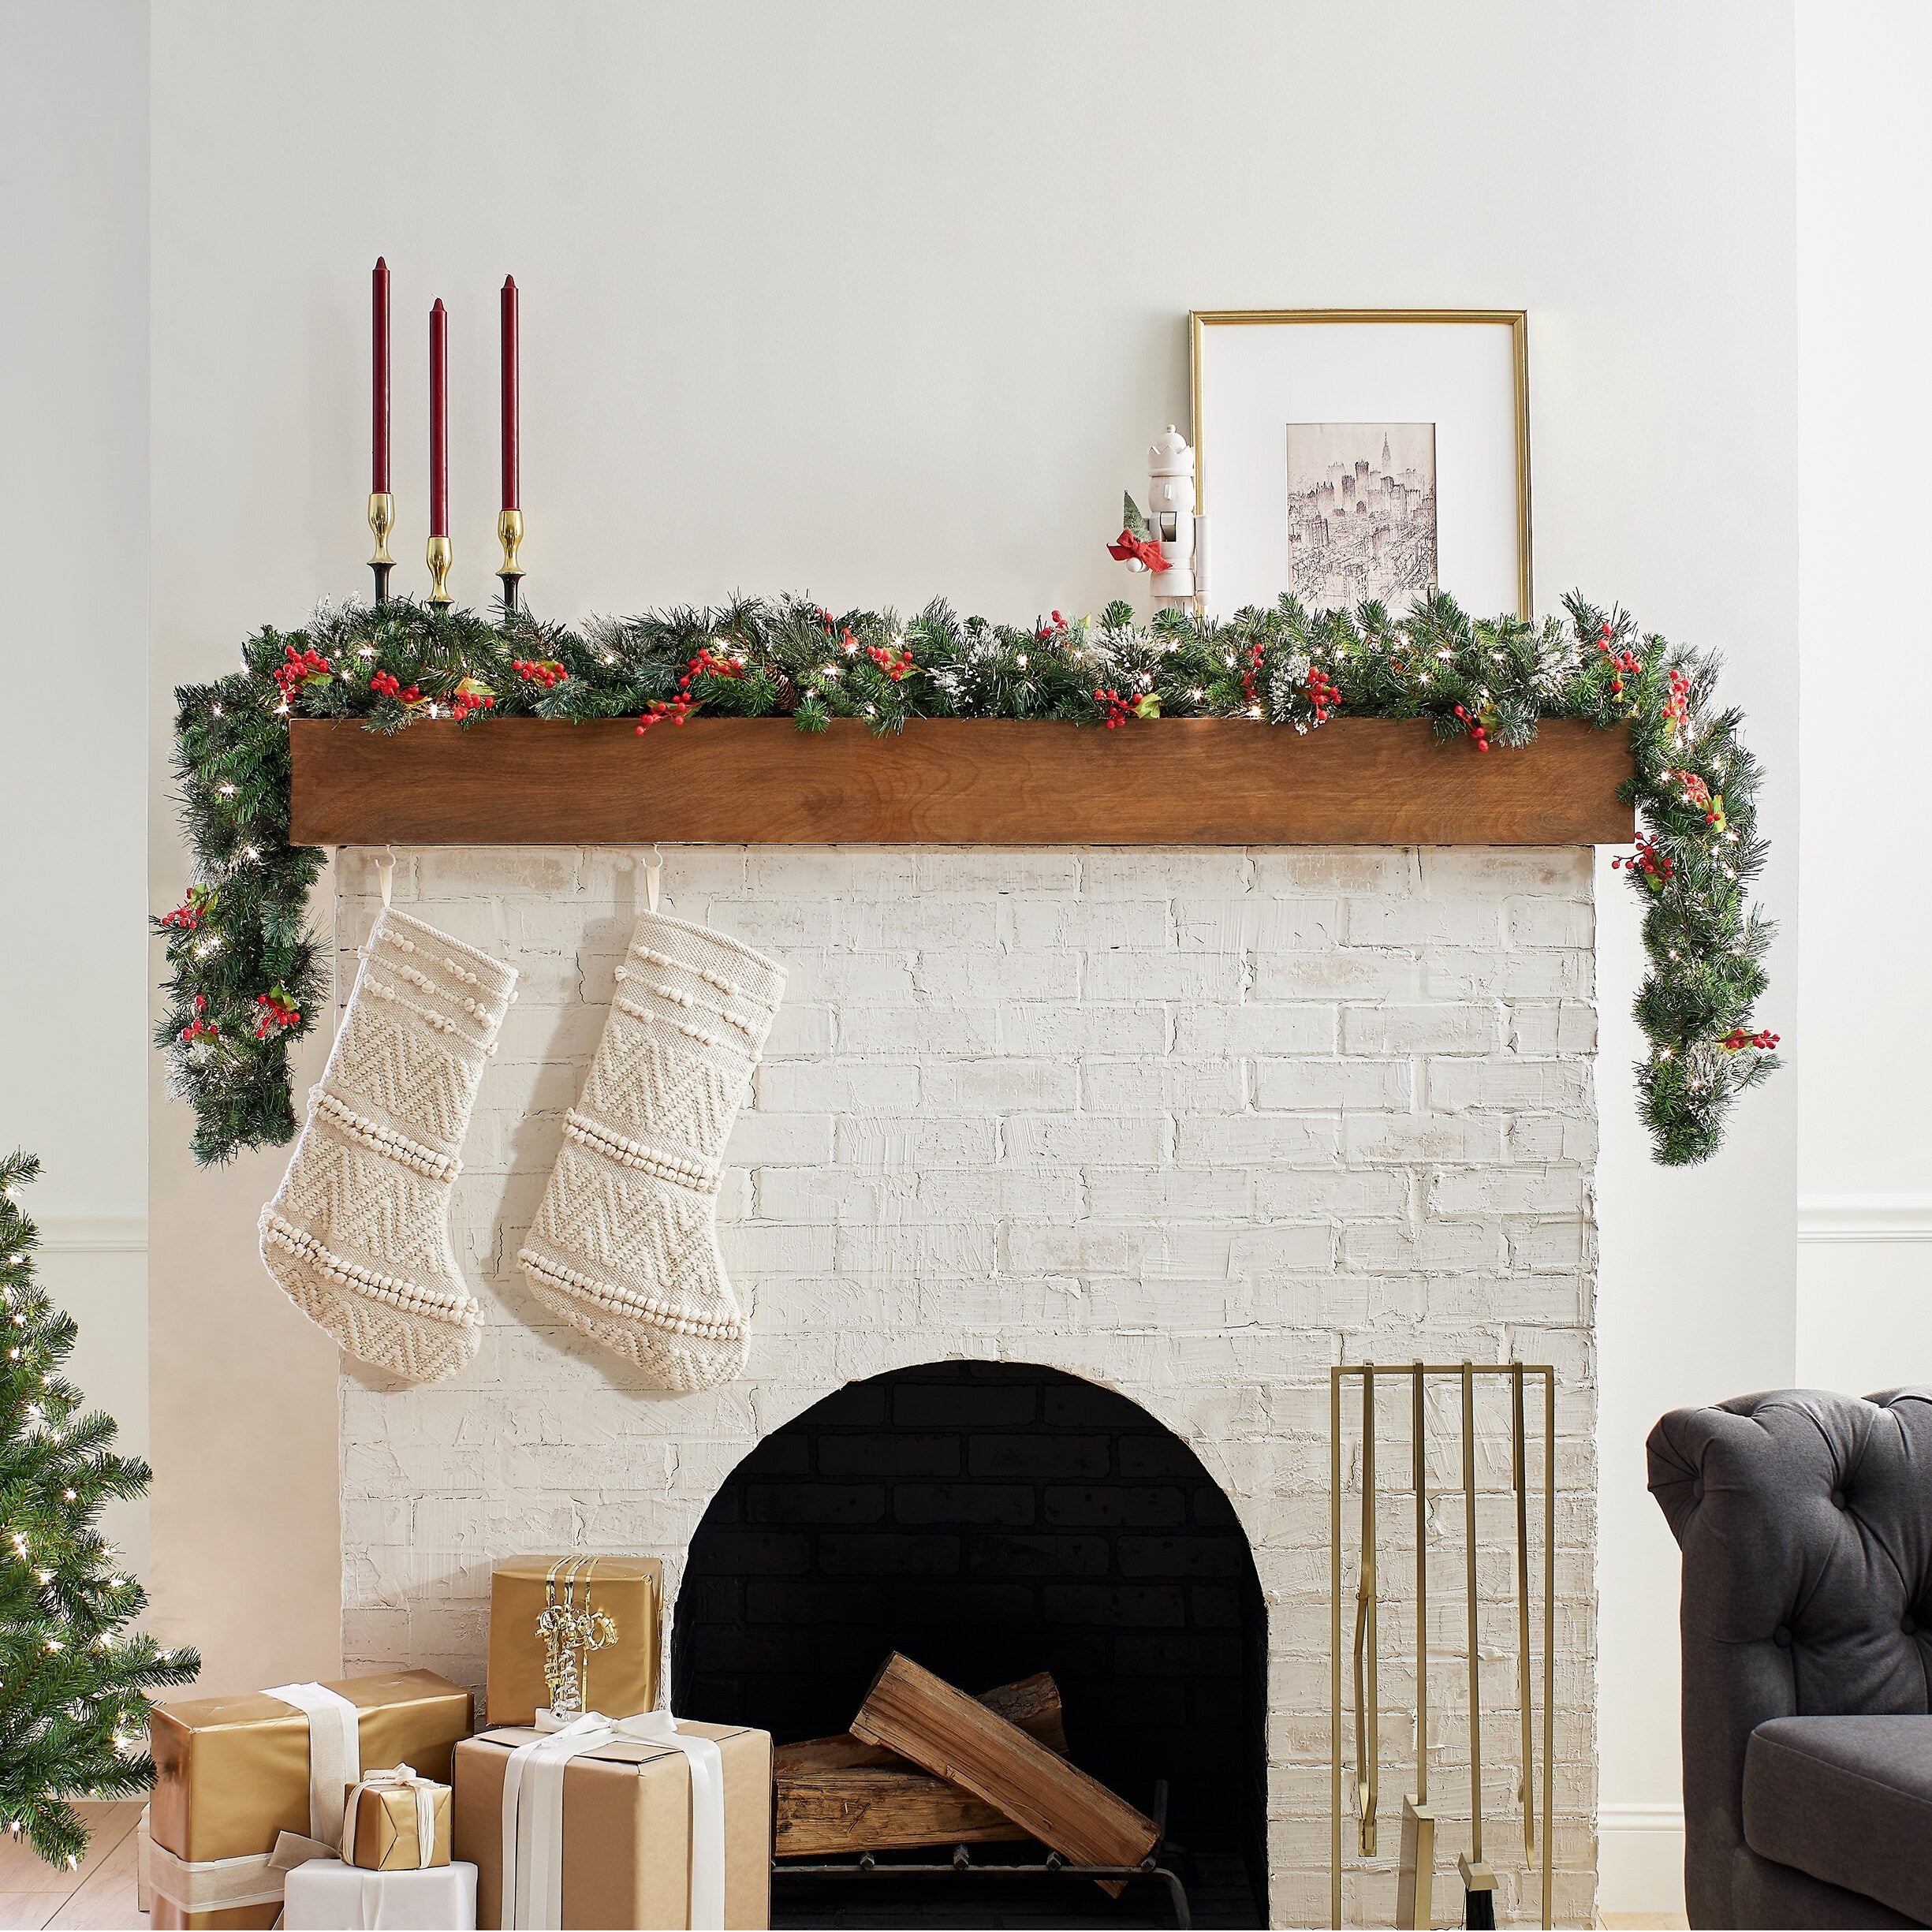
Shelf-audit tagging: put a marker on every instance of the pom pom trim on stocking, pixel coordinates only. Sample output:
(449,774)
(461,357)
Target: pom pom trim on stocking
(461,1310)
(606,1140)
(625,1301)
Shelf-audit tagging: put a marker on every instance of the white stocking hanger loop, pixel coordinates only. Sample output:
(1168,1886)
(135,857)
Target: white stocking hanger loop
(386,872)
(654,877)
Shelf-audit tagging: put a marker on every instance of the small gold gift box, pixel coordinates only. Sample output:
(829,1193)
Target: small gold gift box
(572,1634)
(380,1822)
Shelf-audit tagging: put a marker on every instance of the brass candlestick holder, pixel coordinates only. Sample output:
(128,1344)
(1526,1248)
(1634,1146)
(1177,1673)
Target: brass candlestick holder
(382,520)
(442,557)
(509,572)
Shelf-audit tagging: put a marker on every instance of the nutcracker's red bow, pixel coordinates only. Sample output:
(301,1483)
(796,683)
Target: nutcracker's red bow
(1131,549)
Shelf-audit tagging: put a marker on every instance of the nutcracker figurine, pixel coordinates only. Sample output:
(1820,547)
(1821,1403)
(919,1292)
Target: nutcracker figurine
(1171,540)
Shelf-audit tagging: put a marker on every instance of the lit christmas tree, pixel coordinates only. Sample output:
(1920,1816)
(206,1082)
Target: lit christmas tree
(74,1690)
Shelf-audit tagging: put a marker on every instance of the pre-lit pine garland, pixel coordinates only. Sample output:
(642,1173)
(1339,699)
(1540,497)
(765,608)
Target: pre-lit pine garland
(244,976)
(74,1682)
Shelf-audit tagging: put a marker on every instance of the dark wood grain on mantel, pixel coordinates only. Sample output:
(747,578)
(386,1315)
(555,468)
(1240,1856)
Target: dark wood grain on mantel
(1168,781)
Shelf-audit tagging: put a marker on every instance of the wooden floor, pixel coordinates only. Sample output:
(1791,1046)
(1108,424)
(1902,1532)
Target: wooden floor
(100,1895)
(100,1898)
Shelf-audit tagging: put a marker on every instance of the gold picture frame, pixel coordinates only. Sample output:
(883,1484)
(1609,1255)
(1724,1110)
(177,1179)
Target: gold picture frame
(1515,320)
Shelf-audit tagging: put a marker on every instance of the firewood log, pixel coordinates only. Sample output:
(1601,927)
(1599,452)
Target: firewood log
(956,1737)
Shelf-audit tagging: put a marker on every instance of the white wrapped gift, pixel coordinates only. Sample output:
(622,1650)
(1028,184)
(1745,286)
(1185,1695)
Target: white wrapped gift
(327,1896)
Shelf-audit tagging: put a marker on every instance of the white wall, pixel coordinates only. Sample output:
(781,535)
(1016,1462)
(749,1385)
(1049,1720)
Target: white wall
(881,302)
(73,507)
(1865,286)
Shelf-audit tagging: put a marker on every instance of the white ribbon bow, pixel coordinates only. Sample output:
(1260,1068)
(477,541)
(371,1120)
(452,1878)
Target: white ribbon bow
(533,1817)
(402,1778)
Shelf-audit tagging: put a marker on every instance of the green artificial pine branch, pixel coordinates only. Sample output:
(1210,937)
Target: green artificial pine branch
(246,979)
(75,1682)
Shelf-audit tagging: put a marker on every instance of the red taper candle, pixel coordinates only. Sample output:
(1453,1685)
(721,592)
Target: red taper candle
(438,421)
(511,488)
(378,364)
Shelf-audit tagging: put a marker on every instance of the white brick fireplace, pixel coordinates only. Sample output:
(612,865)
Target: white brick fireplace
(1191,1124)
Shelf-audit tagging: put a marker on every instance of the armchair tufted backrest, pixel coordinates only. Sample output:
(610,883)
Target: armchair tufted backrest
(1805,1519)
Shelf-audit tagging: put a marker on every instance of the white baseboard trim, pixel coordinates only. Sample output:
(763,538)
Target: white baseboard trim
(1864,1217)
(1640,1859)
(87,1233)
(1640,1817)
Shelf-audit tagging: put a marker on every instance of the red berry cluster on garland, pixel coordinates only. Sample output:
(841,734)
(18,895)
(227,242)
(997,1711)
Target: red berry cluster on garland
(200,1029)
(1698,795)
(299,669)
(184,918)
(705,664)
(895,664)
(1251,677)
(465,702)
(1654,864)
(276,1012)
(1324,694)
(1737,1040)
(1677,706)
(1045,633)
(1623,663)
(385,683)
(1118,710)
(548,672)
(676,710)
(1478,731)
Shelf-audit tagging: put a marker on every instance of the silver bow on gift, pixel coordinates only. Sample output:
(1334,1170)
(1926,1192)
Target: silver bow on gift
(570,1631)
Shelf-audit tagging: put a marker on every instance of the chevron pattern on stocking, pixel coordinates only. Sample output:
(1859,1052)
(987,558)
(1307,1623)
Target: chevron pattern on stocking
(351,1198)
(421,1351)
(407,1073)
(650,1235)
(646,1088)
(682,1363)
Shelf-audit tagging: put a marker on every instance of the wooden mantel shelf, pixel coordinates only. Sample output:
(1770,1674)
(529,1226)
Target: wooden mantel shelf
(948,782)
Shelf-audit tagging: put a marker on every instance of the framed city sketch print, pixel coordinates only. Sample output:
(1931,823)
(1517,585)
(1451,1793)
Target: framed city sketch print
(1349,454)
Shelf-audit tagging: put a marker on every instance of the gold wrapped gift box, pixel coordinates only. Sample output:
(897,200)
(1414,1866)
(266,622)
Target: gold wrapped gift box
(627,1828)
(231,1773)
(614,1602)
(385,1838)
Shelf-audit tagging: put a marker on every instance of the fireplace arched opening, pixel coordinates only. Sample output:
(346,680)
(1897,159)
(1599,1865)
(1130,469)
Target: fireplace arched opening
(990,1520)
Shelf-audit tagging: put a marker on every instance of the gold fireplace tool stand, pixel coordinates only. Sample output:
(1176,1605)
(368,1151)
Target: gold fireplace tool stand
(1417,1872)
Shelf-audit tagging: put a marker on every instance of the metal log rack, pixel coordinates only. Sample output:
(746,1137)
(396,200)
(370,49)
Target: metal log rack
(963,1865)
(1417,1841)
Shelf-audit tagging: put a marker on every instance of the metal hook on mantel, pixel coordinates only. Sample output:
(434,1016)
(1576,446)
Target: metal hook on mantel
(654,875)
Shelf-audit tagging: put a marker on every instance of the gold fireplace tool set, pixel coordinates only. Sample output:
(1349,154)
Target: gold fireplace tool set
(1418,1858)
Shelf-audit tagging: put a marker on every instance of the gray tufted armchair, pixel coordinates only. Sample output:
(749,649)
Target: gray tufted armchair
(1806,1523)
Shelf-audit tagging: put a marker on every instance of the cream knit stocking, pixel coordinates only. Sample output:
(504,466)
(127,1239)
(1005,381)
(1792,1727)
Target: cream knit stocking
(358,1232)
(625,1244)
